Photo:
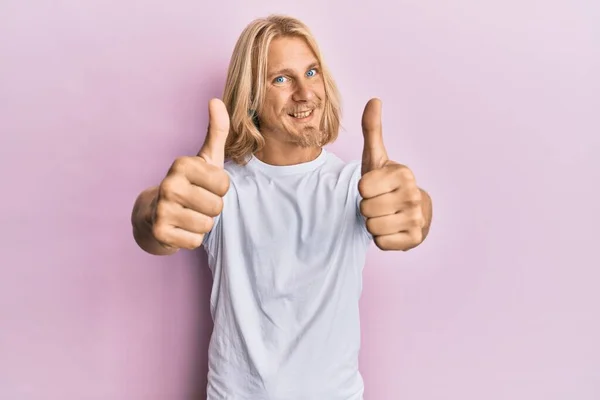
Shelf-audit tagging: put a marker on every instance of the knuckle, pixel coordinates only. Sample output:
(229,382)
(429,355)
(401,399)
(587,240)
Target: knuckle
(416,236)
(170,188)
(217,206)
(160,213)
(414,196)
(417,222)
(364,207)
(406,174)
(417,196)
(159,231)
(212,206)
(363,188)
(205,224)
(380,242)
(199,239)
(218,179)
(222,183)
(371,225)
(180,165)
(195,241)
(198,242)
(417,218)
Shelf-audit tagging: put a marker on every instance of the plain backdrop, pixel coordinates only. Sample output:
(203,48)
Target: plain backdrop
(495,105)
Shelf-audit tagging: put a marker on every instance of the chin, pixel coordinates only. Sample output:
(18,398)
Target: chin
(309,136)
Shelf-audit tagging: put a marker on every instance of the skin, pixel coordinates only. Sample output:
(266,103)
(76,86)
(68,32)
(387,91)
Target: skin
(179,211)
(398,213)
(294,83)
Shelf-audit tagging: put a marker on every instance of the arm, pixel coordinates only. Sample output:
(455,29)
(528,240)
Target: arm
(141,221)
(178,213)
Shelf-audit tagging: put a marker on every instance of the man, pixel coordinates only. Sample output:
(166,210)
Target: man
(286,224)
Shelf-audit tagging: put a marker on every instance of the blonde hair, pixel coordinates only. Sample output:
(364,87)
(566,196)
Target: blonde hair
(245,86)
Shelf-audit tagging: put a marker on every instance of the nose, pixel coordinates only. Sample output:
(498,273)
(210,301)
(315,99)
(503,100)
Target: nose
(303,92)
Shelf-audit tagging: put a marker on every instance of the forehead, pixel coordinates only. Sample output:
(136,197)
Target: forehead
(289,52)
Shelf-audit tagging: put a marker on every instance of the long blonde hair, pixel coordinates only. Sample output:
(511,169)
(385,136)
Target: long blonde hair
(245,86)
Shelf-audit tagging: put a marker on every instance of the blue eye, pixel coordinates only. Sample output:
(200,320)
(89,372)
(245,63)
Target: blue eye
(311,72)
(280,79)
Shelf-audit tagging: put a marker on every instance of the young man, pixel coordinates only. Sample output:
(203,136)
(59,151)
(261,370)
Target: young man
(286,224)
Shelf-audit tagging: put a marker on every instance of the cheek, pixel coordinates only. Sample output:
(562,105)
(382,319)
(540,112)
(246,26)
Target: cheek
(269,108)
(319,88)
(277,102)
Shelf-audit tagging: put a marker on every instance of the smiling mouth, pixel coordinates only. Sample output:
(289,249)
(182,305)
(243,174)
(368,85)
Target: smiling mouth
(301,115)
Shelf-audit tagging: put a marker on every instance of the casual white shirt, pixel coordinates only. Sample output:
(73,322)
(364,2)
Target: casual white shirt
(287,254)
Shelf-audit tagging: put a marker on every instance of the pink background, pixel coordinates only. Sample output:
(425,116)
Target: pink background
(495,106)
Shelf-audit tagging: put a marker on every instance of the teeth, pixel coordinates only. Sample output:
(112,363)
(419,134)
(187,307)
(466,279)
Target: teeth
(302,114)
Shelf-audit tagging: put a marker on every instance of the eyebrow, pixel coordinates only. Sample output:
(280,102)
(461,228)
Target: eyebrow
(289,71)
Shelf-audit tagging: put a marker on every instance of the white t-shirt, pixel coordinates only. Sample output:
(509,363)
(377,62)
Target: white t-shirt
(287,254)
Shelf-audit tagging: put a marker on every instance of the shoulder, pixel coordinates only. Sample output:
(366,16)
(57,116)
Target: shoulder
(350,169)
(234,169)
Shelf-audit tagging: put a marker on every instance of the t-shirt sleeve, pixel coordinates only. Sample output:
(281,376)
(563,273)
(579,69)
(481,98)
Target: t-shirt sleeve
(361,221)
(212,238)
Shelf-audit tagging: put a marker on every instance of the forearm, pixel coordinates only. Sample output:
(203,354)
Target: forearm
(427,207)
(141,221)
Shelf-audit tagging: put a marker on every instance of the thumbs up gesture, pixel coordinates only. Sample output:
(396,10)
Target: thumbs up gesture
(192,192)
(392,202)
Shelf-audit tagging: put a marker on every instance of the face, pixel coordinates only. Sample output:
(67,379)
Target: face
(295,94)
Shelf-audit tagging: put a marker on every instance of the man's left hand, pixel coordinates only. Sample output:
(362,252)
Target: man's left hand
(392,202)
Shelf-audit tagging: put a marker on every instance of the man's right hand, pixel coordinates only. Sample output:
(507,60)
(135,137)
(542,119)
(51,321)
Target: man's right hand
(191,194)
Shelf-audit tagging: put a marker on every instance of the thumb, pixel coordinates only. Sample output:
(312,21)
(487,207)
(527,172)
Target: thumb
(374,154)
(213,149)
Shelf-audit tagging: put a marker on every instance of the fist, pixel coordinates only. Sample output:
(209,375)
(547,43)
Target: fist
(391,199)
(191,194)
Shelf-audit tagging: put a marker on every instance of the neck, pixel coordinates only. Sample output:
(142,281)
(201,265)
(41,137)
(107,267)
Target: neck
(286,153)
